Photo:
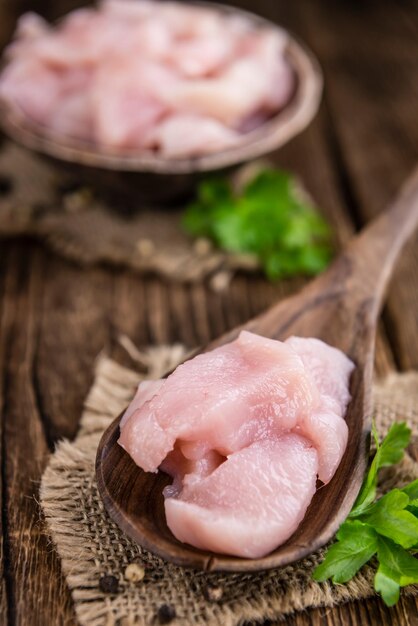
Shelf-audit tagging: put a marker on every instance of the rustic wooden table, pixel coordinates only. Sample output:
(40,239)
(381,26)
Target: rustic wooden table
(55,317)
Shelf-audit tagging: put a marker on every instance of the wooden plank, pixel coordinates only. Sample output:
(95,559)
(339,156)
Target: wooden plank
(319,24)
(128,316)
(361,613)
(74,327)
(188,320)
(314,157)
(4,338)
(373,98)
(37,594)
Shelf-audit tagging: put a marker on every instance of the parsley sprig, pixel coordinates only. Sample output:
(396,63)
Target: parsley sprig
(385,528)
(268,218)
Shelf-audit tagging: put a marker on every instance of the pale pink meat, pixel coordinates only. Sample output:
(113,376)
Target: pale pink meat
(244,431)
(17,83)
(201,56)
(125,112)
(240,89)
(128,9)
(229,397)
(269,52)
(153,39)
(252,502)
(188,21)
(31,26)
(329,433)
(74,43)
(187,471)
(329,368)
(147,389)
(229,97)
(72,117)
(189,135)
(167,77)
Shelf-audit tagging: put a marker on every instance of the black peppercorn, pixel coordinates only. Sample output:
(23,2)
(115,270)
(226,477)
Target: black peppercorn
(166,613)
(109,584)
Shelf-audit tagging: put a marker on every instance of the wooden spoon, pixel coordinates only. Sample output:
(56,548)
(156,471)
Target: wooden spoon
(340,307)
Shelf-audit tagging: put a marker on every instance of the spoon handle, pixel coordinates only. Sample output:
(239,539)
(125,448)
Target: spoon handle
(374,252)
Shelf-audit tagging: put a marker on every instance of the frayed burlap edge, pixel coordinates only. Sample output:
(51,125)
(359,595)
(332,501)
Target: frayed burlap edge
(91,546)
(79,224)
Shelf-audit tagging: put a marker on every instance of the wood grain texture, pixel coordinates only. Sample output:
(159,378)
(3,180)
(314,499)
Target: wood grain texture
(324,157)
(74,327)
(25,452)
(372,98)
(3,344)
(341,307)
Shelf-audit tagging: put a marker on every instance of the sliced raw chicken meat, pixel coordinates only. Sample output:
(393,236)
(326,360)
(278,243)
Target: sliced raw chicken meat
(329,368)
(72,117)
(128,9)
(201,56)
(244,431)
(125,112)
(31,26)
(229,97)
(228,397)
(241,89)
(269,51)
(187,22)
(187,471)
(251,503)
(72,43)
(17,84)
(154,38)
(328,433)
(189,135)
(177,79)
(147,389)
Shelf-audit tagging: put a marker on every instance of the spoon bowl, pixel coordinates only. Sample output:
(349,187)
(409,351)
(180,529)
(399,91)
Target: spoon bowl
(341,307)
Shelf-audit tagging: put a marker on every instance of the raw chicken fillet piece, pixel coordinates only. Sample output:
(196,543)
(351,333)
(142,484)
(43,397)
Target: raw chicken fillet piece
(226,398)
(244,430)
(249,504)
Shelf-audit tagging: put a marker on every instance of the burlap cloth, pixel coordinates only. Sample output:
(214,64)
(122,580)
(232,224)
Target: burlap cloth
(92,546)
(40,201)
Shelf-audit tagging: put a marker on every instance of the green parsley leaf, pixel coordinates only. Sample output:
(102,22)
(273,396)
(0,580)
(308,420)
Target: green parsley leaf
(402,565)
(388,453)
(397,568)
(392,449)
(268,219)
(390,519)
(386,586)
(387,528)
(357,543)
(413,508)
(411,491)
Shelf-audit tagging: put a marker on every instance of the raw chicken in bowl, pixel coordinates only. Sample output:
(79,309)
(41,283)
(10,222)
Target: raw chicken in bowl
(166,88)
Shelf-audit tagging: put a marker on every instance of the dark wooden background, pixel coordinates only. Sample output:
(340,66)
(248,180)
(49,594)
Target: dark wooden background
(55,317)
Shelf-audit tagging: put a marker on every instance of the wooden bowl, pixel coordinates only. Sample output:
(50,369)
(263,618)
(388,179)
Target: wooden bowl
(145,175)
